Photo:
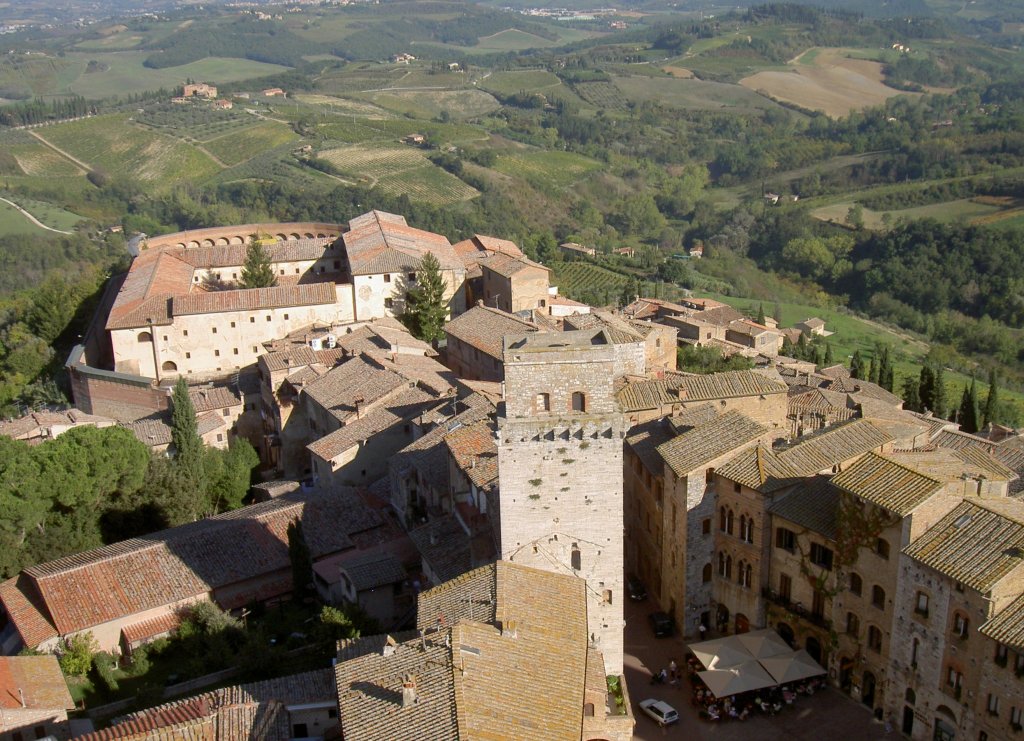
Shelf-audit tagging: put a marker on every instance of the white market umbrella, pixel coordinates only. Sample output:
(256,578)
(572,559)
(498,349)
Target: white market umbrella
(743,678)
(798,665)
(764,643)
(720,653)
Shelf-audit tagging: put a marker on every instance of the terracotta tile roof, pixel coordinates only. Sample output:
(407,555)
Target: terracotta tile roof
(887,483)
(508,265)
(145,629)
(760,469)
(620,331)
(379,242)
(429,454)
(832,446)
(957,440)
(814,504)
(644,440)
(990,464)
(401,407)
(38,422)
(835,371)
(476,452)
(145,294)
(358,380)
(820,400)
(444,545)
(483,327)
(36,679)
(249,711)
(426,372)
(254,299)
(710,441)
(126,578)
(978,543)
(952,465)
(1007,627)
(651,394)
(292,357)
(156,430)
(292,250)
(934,424)
(476,682)
(27,611)
(691,417)
(372,570)
(860,389)
(208,398)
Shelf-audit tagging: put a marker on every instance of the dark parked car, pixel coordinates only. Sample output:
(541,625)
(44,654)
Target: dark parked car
(637,590)
(661,624)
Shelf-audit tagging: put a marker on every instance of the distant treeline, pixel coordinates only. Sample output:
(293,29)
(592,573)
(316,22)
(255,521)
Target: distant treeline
(40,111)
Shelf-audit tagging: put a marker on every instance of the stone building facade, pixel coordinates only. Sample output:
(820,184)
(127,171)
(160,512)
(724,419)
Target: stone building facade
(560,463)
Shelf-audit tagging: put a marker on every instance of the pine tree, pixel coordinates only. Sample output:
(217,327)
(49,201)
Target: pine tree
(257,271)
(872,370)
(885,374)
(991,401)
(425,308)
(301,560)
(968,412)
(857,365)
(760,314)
(829,360)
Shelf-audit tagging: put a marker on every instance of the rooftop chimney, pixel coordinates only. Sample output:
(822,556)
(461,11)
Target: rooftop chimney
(409,691)
(682,393)
(389,646)
(508,628)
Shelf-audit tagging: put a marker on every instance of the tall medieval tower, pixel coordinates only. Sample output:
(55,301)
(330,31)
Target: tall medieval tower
(560,467)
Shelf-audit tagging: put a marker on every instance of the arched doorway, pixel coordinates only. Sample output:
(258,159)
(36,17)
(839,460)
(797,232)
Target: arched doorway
(169,366)
(785,633)
(722,618)
(845,673)
(945,724)
(867,689)
(908,720)
(814,648)
(742,623)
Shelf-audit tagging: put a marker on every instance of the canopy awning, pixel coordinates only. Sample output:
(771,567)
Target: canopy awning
(743,678)
(798,665)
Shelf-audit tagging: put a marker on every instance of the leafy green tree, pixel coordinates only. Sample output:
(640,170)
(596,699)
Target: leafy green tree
(334,625)
(258,272)
(230,474)
(425,309)
(991,413)
(855,216)
(77,654)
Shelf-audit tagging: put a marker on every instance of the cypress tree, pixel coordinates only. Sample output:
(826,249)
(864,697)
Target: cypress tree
(188,450)
(777,314)
(926,390)
(991,401)
(940,393)
(760,313)
(301,561)
(968,412)
(872,370)
(911,395)
(801,347)
(829,360)
(857,365)
(885,375)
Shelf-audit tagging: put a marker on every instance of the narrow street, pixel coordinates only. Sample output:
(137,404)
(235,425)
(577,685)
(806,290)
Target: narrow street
(826,714)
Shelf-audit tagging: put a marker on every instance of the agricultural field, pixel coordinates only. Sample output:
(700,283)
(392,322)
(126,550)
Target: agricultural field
(964,209)
(547,170)
(366,77)
(238,146)
(509,83)
(459,104)
(826,80)
(399,170)
(36,159)
(197,121)
(690,94)
(117,74)
(601,95)
(111,143)
(578,278)
(279,165)
(13,222)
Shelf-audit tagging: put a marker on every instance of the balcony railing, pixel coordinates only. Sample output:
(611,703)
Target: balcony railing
(797,609)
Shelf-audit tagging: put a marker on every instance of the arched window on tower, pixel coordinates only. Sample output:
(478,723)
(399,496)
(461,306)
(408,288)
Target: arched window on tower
(579,401)
(576,559)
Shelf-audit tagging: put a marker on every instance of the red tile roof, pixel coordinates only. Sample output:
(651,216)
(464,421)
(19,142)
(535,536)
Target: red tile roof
(254,299)
(145,295)
(36,680)
(379,242)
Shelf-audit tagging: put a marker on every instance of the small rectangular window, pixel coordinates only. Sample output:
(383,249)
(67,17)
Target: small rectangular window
(214,330)
(232,325)
(165,338)
(268,317)
(235,350)
(227,412)
(252,320)
(184,332)
(220,437)
(188,355)
(255,349)
(286,317)
(387,278)
(216,353)
(921,608)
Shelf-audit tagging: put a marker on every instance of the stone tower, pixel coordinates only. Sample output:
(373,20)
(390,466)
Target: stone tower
(560,467)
